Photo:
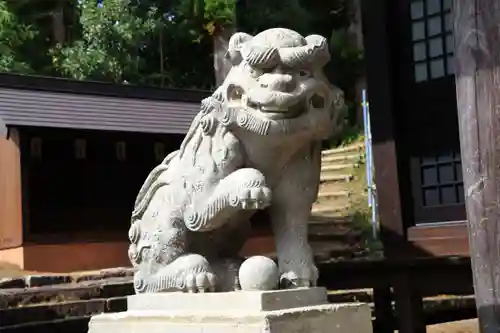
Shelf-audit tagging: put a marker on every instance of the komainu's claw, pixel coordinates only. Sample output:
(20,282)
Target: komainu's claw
(252,198)
(205,281)
(300,278)
(190,283)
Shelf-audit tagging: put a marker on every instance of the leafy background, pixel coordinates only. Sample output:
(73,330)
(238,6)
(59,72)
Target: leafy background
(167,43)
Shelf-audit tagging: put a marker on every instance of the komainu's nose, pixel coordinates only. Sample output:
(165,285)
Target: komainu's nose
(277,82)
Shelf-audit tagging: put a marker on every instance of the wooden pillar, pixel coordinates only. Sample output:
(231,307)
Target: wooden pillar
(477,68)
(380,22)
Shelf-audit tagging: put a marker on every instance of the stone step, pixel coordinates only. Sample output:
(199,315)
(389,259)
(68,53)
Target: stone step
(326,187)
(336,167)
(329,213)
(108,288)
(341,158)
(336,178)
(333,194)
(332,201)
(348,149)
(321,209)
(333,173)
(318,220)
(326,250)
(332,232)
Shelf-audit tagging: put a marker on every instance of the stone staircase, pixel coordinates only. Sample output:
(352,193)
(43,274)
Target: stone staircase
(333,231)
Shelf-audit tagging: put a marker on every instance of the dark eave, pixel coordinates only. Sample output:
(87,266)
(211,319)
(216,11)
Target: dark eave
(61,103)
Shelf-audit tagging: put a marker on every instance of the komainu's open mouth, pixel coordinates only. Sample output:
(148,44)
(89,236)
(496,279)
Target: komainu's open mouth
(277,113)
(238,97)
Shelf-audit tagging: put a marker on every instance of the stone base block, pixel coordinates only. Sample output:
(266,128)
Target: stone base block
(283,311)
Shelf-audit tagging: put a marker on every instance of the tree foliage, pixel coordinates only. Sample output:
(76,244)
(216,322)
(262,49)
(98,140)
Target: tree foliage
(166,43)
(113,38)
(13,35)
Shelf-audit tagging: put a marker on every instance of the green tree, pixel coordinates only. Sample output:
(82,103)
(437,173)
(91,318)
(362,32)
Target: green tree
(113,37)
(13,36)
(218,18)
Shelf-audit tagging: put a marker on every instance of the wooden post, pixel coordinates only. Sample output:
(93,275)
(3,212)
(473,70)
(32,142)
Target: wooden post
(477,68)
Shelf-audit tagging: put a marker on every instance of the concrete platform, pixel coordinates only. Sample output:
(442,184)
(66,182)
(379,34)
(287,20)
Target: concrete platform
(283,311)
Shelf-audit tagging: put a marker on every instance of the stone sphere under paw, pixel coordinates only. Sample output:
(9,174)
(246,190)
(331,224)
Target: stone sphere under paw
(259,273)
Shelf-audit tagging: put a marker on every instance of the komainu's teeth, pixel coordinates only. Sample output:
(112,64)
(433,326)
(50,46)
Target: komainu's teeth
(272,109)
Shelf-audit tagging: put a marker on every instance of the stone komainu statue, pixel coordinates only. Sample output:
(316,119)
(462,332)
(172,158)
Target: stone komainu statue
(255,145)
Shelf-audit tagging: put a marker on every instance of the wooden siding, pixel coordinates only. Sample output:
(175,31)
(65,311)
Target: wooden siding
(10,192)
(20,107)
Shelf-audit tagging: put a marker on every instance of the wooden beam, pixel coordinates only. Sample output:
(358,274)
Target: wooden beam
(477,53)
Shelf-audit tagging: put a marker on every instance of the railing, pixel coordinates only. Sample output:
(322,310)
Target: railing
(372,198)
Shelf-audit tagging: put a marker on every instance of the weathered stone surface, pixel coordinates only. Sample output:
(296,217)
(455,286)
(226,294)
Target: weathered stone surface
(229,301)
(116,304)
(22,297)
(46,280)
(284,311)
(63,293)
(106,274)
(46,312)
(17,282)
(331,318)
(255,145)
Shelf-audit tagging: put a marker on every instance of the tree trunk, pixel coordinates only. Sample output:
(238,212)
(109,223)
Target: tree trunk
(58,27)
(220,44)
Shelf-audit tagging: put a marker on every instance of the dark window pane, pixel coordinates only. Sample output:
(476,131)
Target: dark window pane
(429,176)
(431,196)
(448,195)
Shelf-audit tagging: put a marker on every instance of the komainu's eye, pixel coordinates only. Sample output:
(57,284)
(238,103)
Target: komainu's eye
(235,93)
(317,101)
(304,73)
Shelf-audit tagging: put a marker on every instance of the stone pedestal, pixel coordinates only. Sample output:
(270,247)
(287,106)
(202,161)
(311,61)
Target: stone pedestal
(282,311)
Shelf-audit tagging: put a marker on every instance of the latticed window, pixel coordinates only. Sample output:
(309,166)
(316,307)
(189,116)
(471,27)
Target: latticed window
(432,39)
(441,180)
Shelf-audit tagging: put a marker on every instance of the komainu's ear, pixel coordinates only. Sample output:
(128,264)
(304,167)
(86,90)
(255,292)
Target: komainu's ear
(322,52)
(235,43)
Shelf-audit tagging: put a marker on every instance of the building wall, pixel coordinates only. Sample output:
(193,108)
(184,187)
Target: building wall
(81,182)
(10,192)
(75,256)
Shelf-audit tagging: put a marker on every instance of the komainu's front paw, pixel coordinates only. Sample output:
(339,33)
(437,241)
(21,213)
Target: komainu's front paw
(188,273)
(303,276)
(200,282)
(251,198)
